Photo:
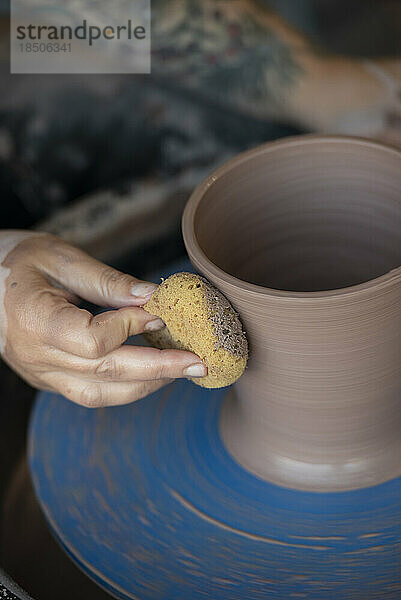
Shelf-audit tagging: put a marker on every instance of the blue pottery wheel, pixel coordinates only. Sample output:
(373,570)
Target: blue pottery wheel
(148,502)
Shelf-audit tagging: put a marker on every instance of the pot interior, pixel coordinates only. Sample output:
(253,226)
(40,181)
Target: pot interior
(315,215)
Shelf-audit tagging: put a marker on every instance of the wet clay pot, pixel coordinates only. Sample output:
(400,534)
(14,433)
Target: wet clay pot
(288,484)
(304,237)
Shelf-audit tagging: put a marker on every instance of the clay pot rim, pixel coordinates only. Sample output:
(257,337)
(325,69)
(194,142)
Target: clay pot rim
(194,249)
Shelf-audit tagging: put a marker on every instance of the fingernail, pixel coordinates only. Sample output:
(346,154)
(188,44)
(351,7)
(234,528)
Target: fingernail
(198,370)
(143,290)
(154,325)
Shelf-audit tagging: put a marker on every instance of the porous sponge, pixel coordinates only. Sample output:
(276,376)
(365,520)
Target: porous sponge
(200,319)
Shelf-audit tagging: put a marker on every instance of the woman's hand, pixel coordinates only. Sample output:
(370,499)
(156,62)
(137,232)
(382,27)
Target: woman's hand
(57,346)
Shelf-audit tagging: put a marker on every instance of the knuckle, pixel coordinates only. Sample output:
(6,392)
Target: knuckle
(91,396)
(110,279)
(159,369)
(93,347)
(62,253)
(166,365)
(108,368)
(60,248)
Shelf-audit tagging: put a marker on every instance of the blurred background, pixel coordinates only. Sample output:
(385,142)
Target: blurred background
(108,162)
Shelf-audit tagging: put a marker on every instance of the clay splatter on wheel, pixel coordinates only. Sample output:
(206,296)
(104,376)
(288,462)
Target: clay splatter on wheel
(200,319)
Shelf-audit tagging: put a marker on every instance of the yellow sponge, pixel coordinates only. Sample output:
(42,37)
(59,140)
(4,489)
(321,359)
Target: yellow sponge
(200,319)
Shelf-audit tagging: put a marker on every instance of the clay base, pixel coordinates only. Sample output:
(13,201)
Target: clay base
(149,503)
(248,441)
(303,236)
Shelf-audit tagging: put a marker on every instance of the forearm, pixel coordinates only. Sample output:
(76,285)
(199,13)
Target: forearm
(237,53)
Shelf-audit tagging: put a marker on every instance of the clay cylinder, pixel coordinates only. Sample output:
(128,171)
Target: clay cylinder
(303,236)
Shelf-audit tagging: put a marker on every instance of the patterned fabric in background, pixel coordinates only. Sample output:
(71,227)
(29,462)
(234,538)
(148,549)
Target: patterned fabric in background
(61,138)
(72,141)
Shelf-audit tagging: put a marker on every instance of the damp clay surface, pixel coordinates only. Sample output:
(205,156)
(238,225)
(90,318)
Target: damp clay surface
(303,236)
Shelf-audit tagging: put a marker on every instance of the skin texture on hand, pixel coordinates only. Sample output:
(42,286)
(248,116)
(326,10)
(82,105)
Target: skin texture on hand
(55,345)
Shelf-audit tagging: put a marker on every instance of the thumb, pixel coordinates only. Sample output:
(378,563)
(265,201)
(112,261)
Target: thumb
(94,281)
